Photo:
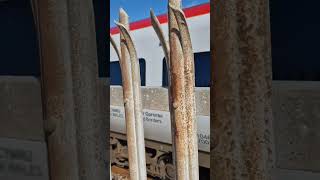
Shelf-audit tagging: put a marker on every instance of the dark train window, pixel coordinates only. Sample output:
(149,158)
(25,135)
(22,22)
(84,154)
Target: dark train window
(295,40)
(100,14)
(19,39)
(202,70)
(18,44)
(115,72)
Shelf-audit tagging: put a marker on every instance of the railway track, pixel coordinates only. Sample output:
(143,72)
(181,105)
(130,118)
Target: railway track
(119,173)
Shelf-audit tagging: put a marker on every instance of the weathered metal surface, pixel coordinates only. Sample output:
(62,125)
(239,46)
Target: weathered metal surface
(297,123)
(179,127)
(190,97)
(241,119)
(91,130)
(104,104)
(125,66)
(60,125)
(136,84)
(181,70)
(166,50)
(74,125)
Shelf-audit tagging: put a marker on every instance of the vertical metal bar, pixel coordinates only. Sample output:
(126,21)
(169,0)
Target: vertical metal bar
(74,123)
(241,119)
(211,94)
(189,90)
(57,95)
(125,66)
(180,127)
(136,83)
(165,46)
(91,133)
(166,50)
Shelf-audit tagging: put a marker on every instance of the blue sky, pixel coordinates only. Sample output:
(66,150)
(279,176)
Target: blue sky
(140,9)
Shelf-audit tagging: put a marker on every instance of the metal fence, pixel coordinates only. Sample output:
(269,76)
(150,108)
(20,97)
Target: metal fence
(180,64)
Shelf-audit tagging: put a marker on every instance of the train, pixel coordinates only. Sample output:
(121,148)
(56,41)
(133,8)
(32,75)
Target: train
(149,50)
(294,61)
(154,75)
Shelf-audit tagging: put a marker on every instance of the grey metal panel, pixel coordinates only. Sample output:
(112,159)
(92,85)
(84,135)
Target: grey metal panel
(20,108)
(281,174)
(296,109)
(23,160)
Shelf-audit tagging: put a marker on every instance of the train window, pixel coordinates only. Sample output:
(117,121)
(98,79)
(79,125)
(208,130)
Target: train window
(19,44)
(115,72)
(202,70)
(295,40)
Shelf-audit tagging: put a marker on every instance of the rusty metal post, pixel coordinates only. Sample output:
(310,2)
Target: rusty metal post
(241,119)
(179,125)
(182,92)
(75,123)
(57,95)
(190,97)
(211,93)
(186,46)
(136,83)
(136,86)
(166,50)
(131,94)
(129,111)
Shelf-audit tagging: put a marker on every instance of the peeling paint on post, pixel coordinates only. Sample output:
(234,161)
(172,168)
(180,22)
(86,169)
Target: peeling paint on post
(241,119)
